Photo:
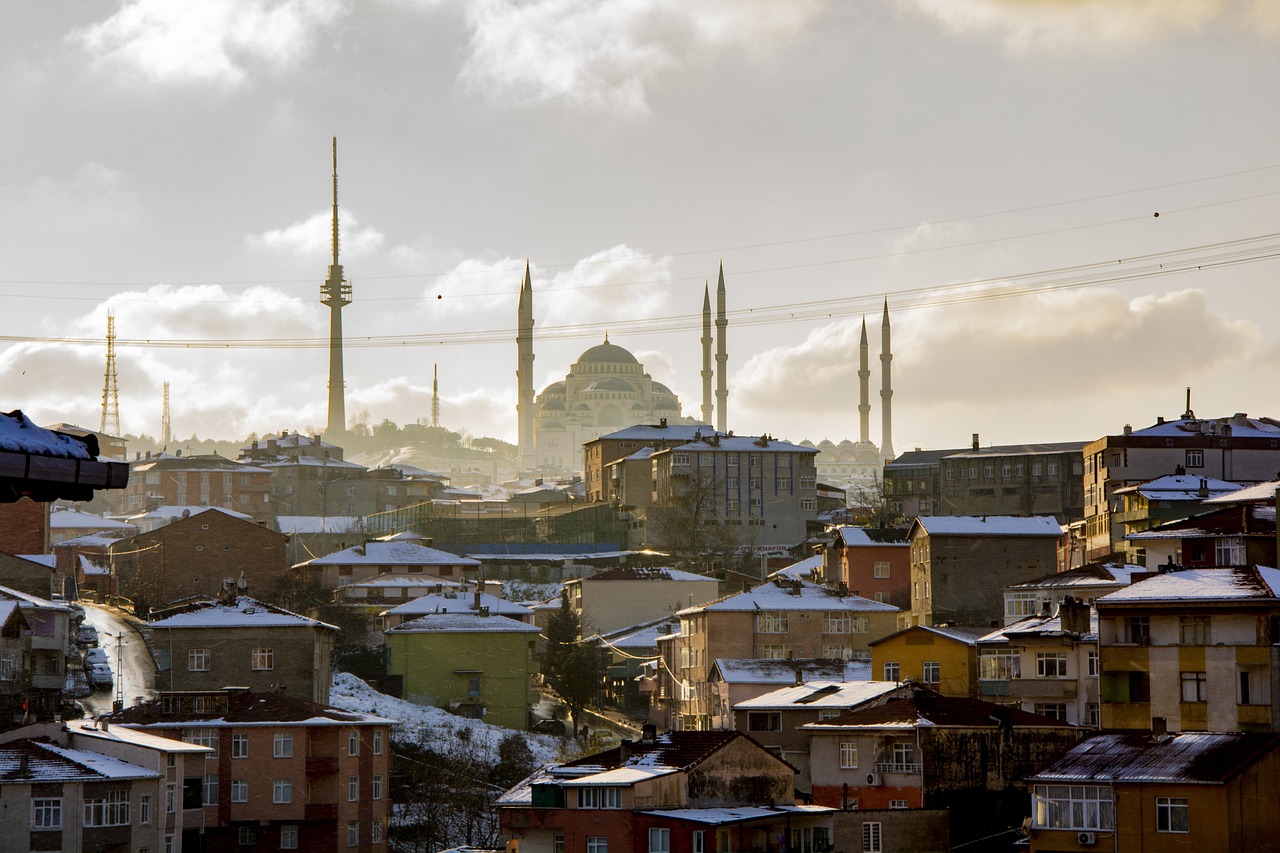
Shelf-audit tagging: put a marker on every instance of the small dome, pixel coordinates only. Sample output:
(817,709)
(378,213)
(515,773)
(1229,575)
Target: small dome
(607,353)
(609,383)
(555,389)
(659,388)
(555,404)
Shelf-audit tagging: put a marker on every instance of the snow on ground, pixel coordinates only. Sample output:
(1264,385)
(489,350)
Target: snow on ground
(521,591)
(433,727)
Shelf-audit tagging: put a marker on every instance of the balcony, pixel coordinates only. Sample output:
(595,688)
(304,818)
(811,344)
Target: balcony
(322,765)
(1045,688)
(321,811)
(895,767)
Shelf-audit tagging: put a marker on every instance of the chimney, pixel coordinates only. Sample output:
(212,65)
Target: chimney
(662,424)
(1128,429)
(1074,615)
(1159,419)
(1204,488)
(476,599)
(976,445)
(648,733)
(799,677)
(1159,730)
(624,751)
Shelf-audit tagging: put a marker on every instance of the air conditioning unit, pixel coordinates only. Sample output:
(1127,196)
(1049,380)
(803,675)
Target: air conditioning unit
(874,780)
(1085,839)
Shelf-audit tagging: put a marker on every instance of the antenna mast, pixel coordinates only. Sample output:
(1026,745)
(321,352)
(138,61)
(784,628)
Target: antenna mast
(110,399)
(165,432)
(335,293)
(435,395)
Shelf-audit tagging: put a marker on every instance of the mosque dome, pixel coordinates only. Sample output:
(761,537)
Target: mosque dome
(607,353)
(610,383)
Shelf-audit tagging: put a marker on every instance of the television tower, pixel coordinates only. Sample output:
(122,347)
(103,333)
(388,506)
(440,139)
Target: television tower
(110,399)
(336,292)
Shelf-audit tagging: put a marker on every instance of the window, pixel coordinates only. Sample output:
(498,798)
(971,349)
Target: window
(1093,665)
(282,746)
(170,798)
(848,755)
(247,836)
(375,831)
(659,840)
(111,810)
(239,791)
(353,789)
(377,788)
(46,813)
(880,568)
(203,737)
(600,798)
(239,746)
(289,836)
(764,721)
(932,673)
(872,837)
(353,742)
(808,504)
(282,791)
(904,757)
(680,459)
(210,793)
(377,742)
(144,809)
(1195,458)
(1194,687)
(836,622)
(898,804)
(1229,551)
(263,659)
(1137,630)
(883,598)
(1072,807)
(1195,630)
(1018,605)
(698,841)
(829,714)
(198,660)
(597,844)
(1054,710)
(999,665)
(1172,815)
(892,672)
(777,651)
(1051,665)
(1092,716)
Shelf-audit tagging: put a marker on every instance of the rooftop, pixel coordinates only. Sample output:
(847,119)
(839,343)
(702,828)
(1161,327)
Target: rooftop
(1239,583)
(989,525)
(791,595)
(1188,757)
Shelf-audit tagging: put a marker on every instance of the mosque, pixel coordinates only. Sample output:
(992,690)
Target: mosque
(607,389)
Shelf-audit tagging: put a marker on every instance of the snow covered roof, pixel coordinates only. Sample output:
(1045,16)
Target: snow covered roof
(762,671)
(313,462)
(334,524)
(1037,626)
(1240,426)
(743,444)
(89,567)
(801,570)
(650,432)
(89,540)
(989,525)
(1182,487)
(90,728)
(1185,757)
(242,708)
(392,553)
(18,434)
(1242,520)
(34,761)
(174,512)
(819,694)
(30,600)
(1257,492)
(643,573)
(63,519)
(862,537)
(245,613)
(795,595)
(929,708)
(960,633)
(1240,583)
(1093,574)
(643,636)
(460,602)
(737,814)
(203,462)
(463,623)
(49,561)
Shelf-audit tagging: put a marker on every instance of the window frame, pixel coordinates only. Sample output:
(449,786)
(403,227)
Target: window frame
(1168,810)
(281,792)
(46,814)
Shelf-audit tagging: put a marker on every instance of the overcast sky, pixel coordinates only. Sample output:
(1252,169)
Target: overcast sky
(171,163)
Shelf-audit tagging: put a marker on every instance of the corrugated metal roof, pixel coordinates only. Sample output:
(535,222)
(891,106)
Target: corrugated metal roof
(1195,757)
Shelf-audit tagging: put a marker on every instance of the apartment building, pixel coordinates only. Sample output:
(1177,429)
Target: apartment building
(202,480)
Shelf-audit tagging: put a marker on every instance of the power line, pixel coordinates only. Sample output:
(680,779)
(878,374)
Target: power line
(1191,259)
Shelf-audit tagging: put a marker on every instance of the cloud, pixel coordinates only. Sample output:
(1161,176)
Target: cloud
(1052,25)
(604,54)
(315,235)
(213,41)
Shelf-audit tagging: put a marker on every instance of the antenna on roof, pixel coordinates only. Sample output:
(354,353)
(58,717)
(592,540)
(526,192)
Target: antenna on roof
(1188,414)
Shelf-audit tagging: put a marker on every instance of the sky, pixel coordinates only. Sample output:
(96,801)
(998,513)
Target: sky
(1072,208)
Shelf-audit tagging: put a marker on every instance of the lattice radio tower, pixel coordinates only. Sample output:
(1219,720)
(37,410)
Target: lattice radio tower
(435,395)
(110,398)
(166,431)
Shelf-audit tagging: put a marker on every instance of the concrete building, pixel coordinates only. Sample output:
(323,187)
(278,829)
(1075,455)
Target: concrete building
(206,645)
(1155,502)
(627,595)
(1238,449)
(398,553)
(870,562)
(944,659)
(960,565)
(1042,596)
(1195,648)
(603,453)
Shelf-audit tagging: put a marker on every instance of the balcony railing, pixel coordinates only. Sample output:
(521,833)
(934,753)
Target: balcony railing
(895,767)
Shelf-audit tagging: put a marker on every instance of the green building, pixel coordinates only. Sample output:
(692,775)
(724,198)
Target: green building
(474,665)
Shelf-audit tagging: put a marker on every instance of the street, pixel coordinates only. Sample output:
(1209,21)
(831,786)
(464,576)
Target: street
(131,663)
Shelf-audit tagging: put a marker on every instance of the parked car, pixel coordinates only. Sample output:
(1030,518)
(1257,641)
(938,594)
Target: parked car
(95,656)
(100,676)
(87,635)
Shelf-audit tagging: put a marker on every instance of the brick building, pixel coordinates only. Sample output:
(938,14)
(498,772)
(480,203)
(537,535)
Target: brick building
(284,773)
(870,562)
(193,555)
(202,480)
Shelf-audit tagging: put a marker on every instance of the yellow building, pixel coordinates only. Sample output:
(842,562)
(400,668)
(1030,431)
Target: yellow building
(945,659)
